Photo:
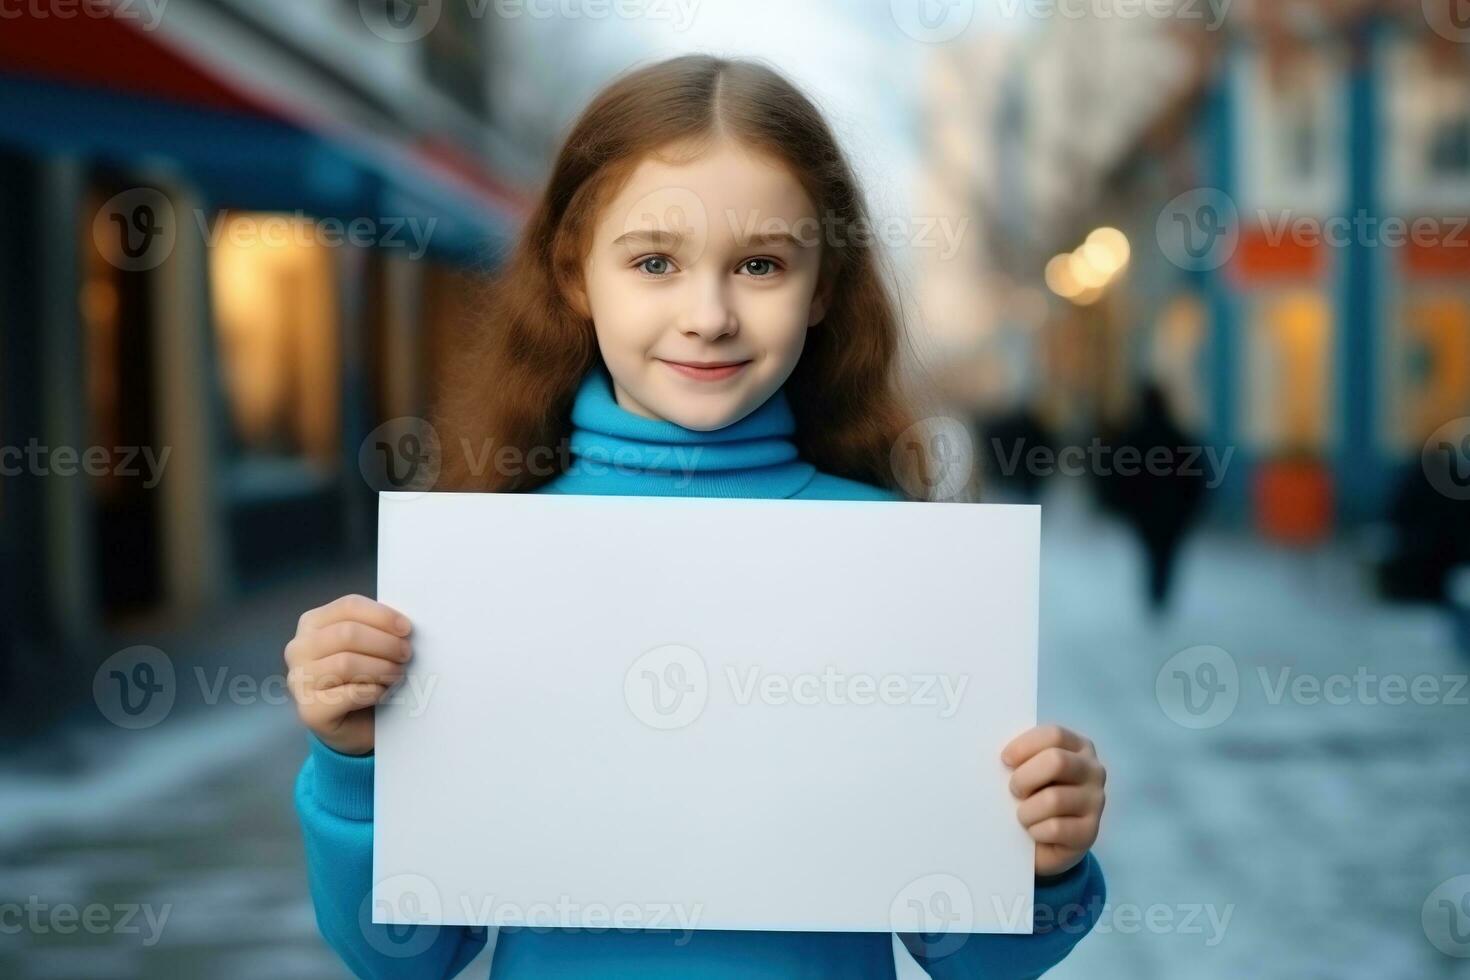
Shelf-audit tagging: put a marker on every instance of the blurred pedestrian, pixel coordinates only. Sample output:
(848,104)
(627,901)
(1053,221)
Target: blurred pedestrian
(1158,495)
(1009,440)
(1430,532)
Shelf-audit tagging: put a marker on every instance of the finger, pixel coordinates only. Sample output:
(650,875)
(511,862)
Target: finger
(359,608)
(347,668)
(1042,737)
(1051,766)
(1058,801)
(358,638)
(1075,832)
(351,697)
(318,709)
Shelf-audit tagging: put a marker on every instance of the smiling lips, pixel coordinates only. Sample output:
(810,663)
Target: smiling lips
(707,370)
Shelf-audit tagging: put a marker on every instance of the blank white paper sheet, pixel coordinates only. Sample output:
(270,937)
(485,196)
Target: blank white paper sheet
(677,713)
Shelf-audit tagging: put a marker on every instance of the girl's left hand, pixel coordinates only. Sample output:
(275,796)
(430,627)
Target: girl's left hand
(1058,779)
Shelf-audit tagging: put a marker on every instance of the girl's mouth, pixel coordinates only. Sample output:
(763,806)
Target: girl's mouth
(707,371)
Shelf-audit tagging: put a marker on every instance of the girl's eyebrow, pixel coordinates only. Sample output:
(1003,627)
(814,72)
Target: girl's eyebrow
(774,238)
(651,239)
(672,240)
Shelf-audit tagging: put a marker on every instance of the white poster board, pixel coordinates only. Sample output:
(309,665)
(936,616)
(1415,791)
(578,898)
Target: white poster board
(684,713)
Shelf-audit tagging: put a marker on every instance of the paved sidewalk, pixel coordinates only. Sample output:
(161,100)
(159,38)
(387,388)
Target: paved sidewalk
(1319,822)
(179,839)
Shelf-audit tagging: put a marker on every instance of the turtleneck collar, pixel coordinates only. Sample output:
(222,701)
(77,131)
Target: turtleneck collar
(615,451)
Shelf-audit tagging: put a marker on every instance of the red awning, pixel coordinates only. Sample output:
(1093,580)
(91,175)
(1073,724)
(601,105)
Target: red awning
(117,54)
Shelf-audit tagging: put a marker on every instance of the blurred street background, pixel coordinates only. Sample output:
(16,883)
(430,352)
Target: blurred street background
(1193,274)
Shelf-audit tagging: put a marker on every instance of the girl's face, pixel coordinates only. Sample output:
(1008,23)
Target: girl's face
(701,282)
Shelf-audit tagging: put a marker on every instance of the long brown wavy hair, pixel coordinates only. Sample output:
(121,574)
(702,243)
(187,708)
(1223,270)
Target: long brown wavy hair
(514,385)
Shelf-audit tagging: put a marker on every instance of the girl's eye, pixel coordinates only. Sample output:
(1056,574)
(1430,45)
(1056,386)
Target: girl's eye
(656,266)
(761,268)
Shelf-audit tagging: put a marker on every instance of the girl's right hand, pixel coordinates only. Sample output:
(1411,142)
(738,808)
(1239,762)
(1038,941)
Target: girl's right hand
(344,658)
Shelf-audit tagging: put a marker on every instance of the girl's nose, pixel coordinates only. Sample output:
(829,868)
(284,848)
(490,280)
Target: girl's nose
(710,314)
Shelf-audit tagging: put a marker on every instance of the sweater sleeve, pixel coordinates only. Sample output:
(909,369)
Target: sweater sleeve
(334,800)
(1065,910)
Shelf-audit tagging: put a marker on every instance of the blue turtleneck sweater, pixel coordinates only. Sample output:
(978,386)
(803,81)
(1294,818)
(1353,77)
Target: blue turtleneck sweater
(616,452)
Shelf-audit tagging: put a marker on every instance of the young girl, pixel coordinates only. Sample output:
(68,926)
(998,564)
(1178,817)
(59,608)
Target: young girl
(689,312)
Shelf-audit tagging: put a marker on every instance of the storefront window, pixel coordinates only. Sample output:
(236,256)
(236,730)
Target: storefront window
(1426,117)
(273,293)
(1429,364)
(1288,366)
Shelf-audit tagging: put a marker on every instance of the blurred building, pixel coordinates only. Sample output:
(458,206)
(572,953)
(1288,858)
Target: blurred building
(238,235)
(1294,181)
